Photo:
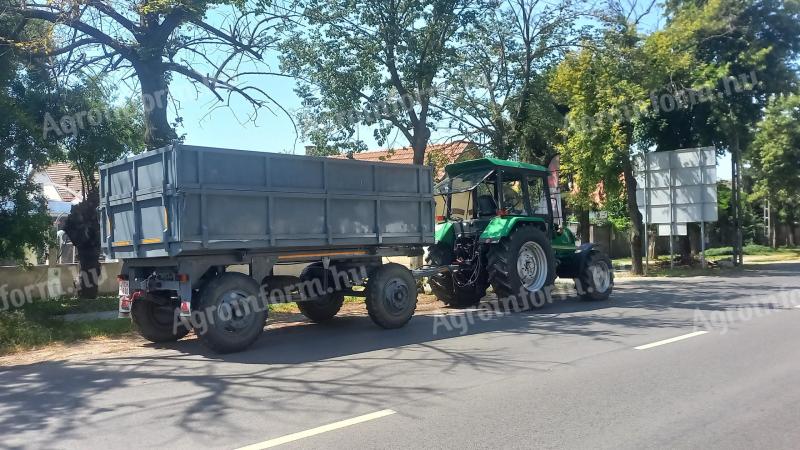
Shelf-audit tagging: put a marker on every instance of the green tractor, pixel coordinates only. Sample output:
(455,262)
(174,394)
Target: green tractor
(496,227)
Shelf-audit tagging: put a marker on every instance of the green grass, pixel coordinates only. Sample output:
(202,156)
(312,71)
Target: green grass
(41,323)
(69,305)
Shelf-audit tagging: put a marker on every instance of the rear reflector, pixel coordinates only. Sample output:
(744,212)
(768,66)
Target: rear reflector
(186,308)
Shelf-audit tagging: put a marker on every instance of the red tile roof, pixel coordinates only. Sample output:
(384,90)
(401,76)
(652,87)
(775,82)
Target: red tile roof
(67,181)
(405,155)
(437,155)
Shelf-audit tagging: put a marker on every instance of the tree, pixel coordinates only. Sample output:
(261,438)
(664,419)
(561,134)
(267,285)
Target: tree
(217,45)
(745,52)
(375,63)
(111,133)
(24,98)
(601,85)
(775,159)
(497,95)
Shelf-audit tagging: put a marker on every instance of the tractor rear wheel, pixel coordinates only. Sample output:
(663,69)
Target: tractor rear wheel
(521,264)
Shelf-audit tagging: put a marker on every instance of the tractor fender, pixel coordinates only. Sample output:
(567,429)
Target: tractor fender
(572,265)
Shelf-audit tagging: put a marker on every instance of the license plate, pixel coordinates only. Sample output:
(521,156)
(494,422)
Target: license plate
(124,288)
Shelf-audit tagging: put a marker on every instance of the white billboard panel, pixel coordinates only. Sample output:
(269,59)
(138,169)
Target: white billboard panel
(678,229)
(678,186)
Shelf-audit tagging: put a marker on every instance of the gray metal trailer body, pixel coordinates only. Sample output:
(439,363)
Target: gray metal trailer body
(181,215)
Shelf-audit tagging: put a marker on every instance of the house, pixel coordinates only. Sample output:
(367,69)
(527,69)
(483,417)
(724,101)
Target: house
(436,155)
(61,186)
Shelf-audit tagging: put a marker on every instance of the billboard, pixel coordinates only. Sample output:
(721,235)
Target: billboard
(679,186)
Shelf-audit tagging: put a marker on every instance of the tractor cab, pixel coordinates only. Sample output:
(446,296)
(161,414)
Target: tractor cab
(489,195)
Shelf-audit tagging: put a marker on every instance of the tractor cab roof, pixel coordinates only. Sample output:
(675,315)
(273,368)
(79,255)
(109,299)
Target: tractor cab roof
(483,164)
(465,176)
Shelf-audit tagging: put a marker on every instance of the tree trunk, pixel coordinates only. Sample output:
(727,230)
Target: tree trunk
(584,226)
(420,142)
(636,219)
(83,228)
(155,94)
(653,244)
(773,228)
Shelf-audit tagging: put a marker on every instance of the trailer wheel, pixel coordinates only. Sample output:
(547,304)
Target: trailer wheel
(324,307)
(596,280)
(521,264)
(154,319)
(234,316)
(391,296)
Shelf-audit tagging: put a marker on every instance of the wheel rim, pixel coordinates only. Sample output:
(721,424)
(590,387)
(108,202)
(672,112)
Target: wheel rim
(396,296)
(234,311)
(601,276)
(532,266)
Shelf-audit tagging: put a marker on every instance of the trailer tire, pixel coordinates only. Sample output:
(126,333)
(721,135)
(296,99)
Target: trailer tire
(509,278)
(234,314)
(325,307)
(155,321)
(596,280)
(391,296)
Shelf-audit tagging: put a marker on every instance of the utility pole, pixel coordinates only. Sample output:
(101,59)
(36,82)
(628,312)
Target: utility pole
(736,203)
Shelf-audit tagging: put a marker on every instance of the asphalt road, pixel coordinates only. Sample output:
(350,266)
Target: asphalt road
(568,376)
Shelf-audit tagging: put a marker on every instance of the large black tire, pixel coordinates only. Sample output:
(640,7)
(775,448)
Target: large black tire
(502,262)
(453,295)
(234,315)
(391,296)
(596,280)
(322,308)
(155,320)
(442,284)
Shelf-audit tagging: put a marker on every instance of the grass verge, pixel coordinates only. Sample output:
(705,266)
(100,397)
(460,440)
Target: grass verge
(41,323)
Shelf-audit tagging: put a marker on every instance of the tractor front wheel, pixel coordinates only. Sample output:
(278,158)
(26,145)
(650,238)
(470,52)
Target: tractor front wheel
(596,280)
(521,264)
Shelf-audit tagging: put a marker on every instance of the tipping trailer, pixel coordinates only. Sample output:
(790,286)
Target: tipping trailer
(186,220)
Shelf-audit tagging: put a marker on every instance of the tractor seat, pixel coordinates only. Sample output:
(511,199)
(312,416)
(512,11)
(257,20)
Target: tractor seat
(486,206)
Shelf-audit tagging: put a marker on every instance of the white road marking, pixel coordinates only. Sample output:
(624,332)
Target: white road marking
(670,340)
(318,430)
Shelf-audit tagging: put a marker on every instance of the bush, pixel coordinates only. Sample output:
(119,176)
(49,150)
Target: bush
(719,251)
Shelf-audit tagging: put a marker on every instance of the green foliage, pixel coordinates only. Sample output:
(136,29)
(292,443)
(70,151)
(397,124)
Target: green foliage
(102,131)
(601,85)
(775,156)
(497,95)
(25,96)
(373,63)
